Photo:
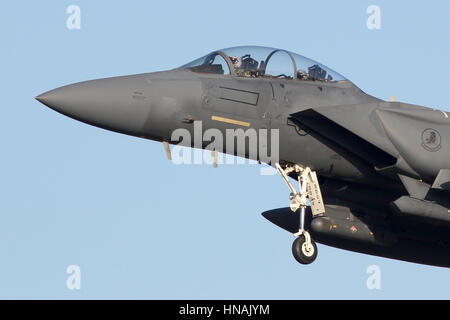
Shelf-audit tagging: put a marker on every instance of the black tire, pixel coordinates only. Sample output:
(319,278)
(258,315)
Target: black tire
(298,251)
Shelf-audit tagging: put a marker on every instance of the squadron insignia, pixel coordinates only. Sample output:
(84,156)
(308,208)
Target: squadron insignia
(431,140)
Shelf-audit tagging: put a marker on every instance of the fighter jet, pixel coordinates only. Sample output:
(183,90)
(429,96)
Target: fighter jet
(363,174)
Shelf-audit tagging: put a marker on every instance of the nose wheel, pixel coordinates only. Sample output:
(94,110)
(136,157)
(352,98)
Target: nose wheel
(304,251)
(304,248)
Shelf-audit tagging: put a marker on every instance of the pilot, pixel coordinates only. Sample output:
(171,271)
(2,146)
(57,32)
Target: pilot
(302,74)
(237,62)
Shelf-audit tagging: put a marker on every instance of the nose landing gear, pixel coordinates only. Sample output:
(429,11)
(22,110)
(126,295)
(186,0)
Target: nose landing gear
(304,248)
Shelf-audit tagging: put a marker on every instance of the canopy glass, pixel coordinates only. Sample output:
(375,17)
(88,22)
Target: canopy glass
(253,61)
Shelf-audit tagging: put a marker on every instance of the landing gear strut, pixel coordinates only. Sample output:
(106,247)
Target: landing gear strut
(304,248)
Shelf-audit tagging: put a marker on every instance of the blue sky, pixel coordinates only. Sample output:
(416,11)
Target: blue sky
(138,225)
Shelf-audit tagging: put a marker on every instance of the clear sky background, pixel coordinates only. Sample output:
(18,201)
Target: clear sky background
(138,225)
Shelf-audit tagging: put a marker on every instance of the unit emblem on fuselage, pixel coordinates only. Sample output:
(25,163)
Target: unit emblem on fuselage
(431,140)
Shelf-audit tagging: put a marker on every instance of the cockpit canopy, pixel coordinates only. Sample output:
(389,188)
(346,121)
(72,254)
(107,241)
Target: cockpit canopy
(253,62)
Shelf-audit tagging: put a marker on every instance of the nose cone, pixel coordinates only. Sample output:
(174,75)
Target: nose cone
(119,104)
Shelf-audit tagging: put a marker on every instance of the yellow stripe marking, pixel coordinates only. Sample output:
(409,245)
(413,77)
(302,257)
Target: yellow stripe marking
(232,121)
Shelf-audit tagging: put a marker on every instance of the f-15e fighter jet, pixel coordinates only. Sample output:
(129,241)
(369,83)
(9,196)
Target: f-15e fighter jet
(364,174)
